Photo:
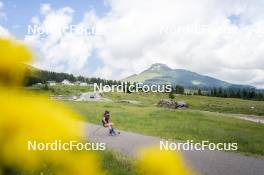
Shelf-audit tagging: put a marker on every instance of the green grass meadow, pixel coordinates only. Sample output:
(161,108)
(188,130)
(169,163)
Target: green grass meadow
(206,118)
(180,124)
(203,103)
(192,123)
(112,163)
(117,164)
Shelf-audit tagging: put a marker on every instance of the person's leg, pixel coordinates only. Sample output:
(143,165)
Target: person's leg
(113,131)
(110,128)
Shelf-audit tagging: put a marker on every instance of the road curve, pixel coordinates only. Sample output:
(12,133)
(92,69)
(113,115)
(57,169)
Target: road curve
(202,162)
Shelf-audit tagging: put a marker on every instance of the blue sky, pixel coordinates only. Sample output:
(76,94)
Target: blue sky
(234,19)
(228,44)
(19,12)
(19,15)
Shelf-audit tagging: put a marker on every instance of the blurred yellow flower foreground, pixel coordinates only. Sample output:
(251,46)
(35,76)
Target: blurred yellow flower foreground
(26,116)
(153,161)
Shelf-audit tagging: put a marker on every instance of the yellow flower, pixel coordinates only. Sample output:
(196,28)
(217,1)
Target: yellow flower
(153,161)
(29,117)
(13,56)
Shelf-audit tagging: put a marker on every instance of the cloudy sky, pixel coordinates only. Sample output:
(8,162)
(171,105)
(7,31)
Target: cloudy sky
(219,38)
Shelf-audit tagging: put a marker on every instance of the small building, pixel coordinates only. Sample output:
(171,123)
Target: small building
(80,83)
(77,82)
(83,84)
(66,82)
(51,83)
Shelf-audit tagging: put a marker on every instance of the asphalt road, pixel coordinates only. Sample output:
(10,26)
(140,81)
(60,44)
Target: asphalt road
(202,162)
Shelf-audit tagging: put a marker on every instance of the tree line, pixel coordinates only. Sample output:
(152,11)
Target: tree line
(176,89)
(41,76)
(243,93)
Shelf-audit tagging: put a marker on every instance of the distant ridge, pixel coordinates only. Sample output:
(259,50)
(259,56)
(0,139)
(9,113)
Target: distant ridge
(159,73)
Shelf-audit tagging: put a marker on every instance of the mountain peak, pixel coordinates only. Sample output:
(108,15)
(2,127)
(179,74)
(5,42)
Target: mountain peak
(159,67)
(159,73)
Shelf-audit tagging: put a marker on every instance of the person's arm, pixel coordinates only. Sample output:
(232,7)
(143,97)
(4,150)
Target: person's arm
(104,119)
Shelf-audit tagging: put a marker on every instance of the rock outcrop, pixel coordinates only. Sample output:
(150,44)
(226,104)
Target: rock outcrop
(172,104)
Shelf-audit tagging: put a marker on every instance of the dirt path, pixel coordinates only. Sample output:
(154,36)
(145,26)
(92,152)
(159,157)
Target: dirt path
(203,162)
(252,118)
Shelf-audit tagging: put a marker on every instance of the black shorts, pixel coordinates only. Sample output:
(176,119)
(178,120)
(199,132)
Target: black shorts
(104,123)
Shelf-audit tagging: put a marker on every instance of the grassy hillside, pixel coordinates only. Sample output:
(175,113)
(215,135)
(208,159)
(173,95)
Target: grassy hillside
(60,89)
(183,124)
(142,77)
(177,124)
(204,103)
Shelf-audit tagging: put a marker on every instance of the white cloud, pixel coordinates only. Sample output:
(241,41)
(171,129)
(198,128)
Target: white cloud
(45,9)
(131,40)
(132,35)
(58,51)
(4,33)
(2,14)
(35,20)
